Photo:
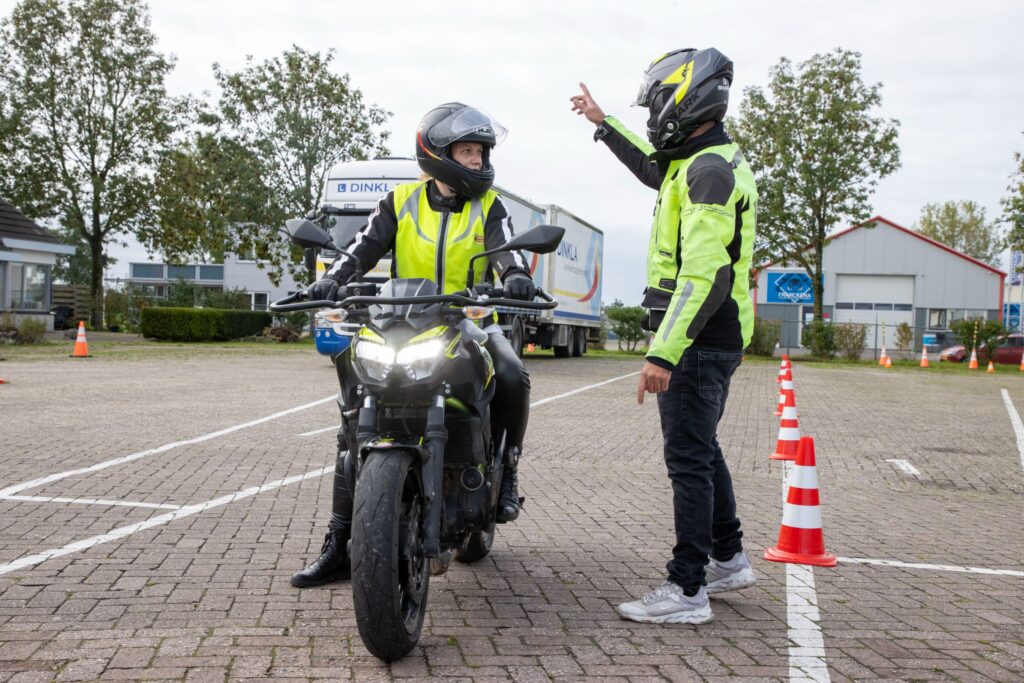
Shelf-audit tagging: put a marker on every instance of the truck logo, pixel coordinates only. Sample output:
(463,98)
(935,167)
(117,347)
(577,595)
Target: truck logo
(568,250)
(378,187)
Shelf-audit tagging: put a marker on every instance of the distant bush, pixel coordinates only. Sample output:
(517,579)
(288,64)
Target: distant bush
(201,324)
(820,337)
(765,337)
(989,335)
(851,339)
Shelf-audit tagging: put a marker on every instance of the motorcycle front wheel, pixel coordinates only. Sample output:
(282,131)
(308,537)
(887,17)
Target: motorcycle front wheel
(390,575)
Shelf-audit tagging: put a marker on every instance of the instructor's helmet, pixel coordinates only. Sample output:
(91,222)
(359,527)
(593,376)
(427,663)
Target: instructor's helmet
(450,123)
(682,90)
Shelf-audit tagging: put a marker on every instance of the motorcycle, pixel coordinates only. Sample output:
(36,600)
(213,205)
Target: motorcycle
(423,457)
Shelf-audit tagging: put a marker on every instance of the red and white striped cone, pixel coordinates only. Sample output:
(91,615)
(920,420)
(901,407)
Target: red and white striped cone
(801,539)
(789,430)
(785,388)
(782,368)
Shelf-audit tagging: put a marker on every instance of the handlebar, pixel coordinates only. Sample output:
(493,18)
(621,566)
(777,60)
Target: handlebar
(294,302)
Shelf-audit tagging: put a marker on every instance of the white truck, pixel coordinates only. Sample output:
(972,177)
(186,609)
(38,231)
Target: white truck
(572,274)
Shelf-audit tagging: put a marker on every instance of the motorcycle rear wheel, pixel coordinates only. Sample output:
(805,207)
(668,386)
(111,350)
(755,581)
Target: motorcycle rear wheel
(390,575)
(477,547)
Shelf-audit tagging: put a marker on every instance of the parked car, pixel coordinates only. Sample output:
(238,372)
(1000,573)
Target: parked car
(1009,351)
(954,354)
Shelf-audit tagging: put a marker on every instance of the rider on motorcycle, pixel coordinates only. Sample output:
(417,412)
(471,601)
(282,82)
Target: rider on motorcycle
(456,208)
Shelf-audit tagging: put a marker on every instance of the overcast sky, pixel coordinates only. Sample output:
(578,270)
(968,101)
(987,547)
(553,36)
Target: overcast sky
(949,71)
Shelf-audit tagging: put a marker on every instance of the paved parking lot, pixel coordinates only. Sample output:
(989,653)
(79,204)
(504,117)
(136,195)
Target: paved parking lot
(175,536)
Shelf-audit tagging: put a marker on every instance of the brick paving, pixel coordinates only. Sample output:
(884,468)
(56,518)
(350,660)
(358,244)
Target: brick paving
(207,597)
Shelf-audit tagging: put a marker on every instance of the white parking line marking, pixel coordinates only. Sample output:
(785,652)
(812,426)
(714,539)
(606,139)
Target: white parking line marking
(321,431)
(187,511)
(92,501)
(18,488)
(1018,428)
(581,389)
(905,466)
(807,653)
(532,405)
(933,567)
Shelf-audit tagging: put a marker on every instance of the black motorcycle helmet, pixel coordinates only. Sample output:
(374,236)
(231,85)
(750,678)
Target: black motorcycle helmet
(682,90)
(447,124)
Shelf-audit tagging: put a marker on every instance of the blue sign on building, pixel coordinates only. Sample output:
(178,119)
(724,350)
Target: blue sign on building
(1011,316)
(790,288)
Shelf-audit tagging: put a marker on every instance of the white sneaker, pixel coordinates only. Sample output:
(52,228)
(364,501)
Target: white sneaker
(731,575)
(667,604)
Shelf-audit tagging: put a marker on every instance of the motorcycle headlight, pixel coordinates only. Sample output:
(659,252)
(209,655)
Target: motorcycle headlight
(375,359)
(422,359)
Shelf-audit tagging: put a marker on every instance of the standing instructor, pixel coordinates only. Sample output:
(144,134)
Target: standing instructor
(699,308)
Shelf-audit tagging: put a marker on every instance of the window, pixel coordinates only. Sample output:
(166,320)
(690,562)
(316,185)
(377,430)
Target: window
(844,306)
(181,272)
(30,287)
(259,300)
(903,307)
(937,319)
(863,307)
(3,285)
(883,307)
(148,271)
(211,272)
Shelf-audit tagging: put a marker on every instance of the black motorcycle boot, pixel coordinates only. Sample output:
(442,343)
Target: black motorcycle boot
(332,565)
(509,501)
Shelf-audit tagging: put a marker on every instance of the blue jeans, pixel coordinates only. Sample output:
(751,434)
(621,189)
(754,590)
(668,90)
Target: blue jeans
(705,509)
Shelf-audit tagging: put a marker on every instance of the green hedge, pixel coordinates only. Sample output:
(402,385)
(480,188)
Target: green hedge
(201,324)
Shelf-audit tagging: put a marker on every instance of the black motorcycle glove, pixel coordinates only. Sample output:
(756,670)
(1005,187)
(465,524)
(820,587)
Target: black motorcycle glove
(323,289)
(519,286)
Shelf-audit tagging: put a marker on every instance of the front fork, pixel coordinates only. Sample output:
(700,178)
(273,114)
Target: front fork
(431,463)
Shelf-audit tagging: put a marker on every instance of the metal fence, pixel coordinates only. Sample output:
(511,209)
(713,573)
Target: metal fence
(897,344)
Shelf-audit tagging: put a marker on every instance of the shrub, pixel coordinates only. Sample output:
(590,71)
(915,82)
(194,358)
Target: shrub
(625,323)
(989,334)
(820,337)
(904,337)
(765,337)
(201,324)
(851,339)
(31,331)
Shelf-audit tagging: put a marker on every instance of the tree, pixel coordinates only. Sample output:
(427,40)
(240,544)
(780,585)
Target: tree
(83,112)
(625,323)
(817,152)
(1013,205)
(288,119)
(961,225)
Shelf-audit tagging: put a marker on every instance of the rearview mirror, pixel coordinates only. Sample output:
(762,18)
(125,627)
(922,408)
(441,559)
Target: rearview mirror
(540,239)
(307,234)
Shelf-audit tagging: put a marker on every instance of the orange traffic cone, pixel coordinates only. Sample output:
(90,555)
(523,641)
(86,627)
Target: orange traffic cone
(81,346)
(3,381)
(530,348)
(789,431)
(801,539)
(888,362)
(782,368)
(787,387)
(885,354)
(991,368)
(1022,363)
(924,356)
(973,365)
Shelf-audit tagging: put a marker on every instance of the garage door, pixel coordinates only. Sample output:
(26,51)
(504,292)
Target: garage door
(873,300)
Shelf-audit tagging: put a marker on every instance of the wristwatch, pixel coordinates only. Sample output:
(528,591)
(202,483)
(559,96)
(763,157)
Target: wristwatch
(603,131)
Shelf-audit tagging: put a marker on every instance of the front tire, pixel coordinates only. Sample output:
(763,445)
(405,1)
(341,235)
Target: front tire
(390,575)
(477,548)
